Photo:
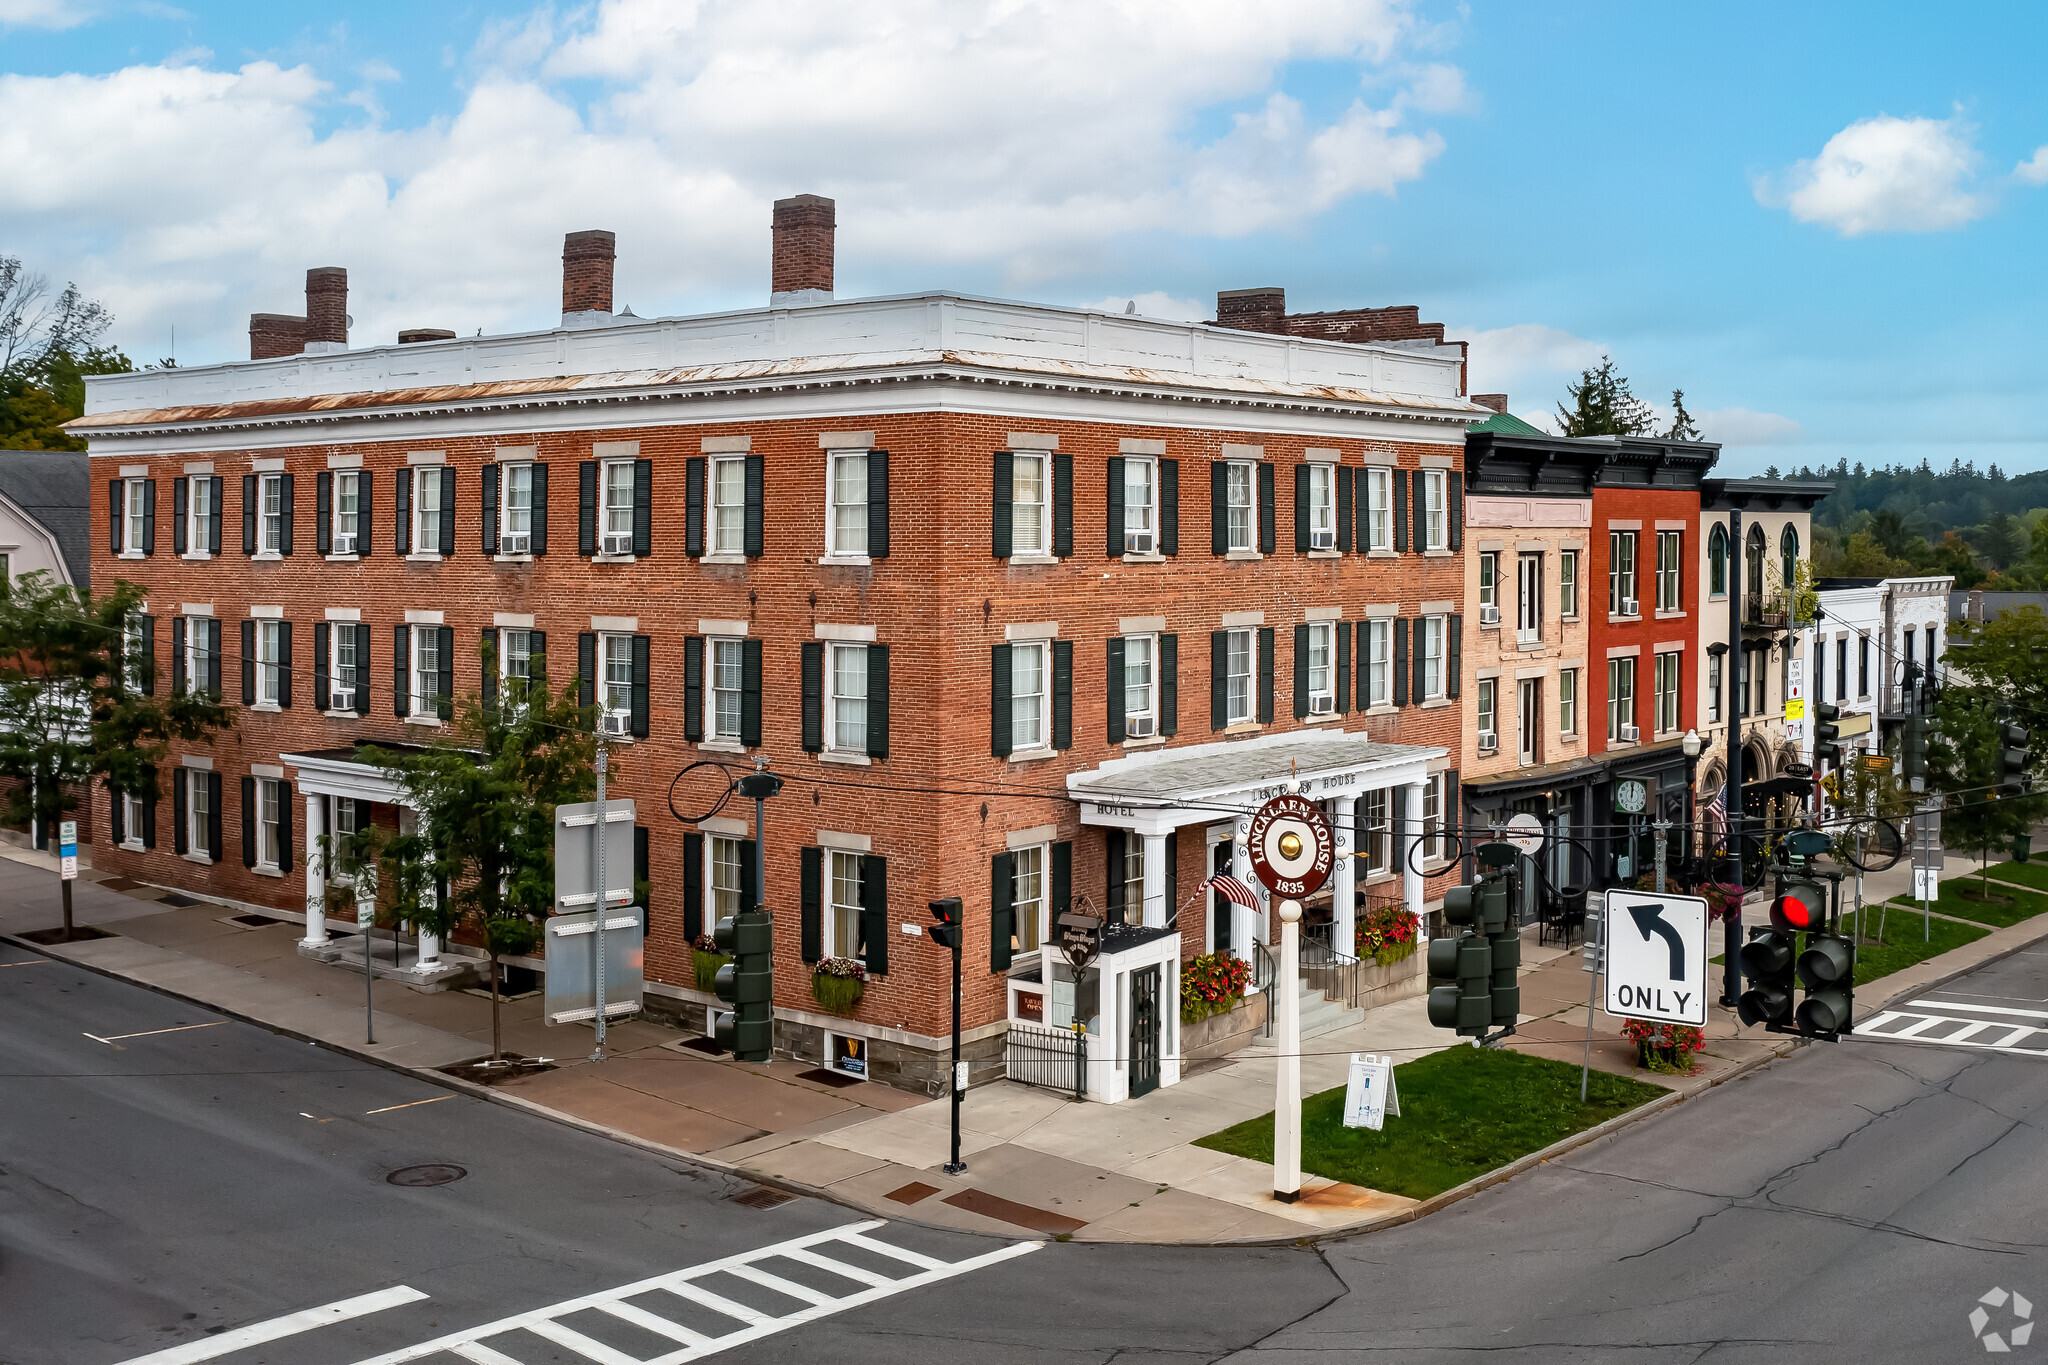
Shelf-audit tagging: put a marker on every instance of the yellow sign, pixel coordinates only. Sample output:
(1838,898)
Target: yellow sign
(1877,763)
(1795,708)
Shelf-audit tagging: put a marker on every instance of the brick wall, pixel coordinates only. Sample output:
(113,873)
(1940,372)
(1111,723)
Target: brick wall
(1649,510)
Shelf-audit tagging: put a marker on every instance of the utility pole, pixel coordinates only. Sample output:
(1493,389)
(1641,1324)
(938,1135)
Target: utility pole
(597,961)
(1731,929)
(1663,828)
(948,933)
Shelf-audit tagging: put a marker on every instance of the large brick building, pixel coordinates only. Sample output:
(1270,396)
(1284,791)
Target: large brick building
(1029,605)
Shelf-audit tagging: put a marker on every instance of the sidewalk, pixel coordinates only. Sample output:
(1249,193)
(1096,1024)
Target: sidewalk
(1036,1160)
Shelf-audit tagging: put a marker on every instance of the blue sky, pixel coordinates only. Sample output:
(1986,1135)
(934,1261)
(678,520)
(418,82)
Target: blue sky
(1815,219)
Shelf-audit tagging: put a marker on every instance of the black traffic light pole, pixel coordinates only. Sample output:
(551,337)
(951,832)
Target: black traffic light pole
(747,983)
(1731,932)
(947,933)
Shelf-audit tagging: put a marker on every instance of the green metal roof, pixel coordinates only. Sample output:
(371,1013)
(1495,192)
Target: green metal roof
(1508,425)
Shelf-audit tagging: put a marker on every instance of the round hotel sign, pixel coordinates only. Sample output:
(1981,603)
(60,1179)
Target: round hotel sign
(1292,848)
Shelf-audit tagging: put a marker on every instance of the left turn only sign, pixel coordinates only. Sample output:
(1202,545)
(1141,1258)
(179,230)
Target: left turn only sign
(1656,957)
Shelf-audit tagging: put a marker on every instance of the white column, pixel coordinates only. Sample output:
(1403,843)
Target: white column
(316,874)
(1344,880)
(1410,834)
(1247,926)
(1155,907)
(1287,1041)
(429,944)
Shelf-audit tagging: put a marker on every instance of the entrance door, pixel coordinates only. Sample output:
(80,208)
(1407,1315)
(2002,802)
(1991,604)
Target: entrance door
(1220,908)
(1144,1031)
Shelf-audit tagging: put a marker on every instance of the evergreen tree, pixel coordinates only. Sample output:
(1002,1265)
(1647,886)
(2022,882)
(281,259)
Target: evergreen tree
(1991,674)
(1602,405)
(1682,428)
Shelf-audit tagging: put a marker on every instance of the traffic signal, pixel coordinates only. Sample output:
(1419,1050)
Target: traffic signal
(1801,906)
(1915,748)
(1472,976)
(1767,961)
(1827,746)
(2012,758)
(1460,973)
(1828,971)
(946,933)
(747,983)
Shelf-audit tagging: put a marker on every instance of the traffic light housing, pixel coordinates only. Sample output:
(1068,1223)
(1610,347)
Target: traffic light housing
(2012,758)
(1472,977)
(1827,747)
(1828,971)
(1914,749)
(1801,906)
(946,932)
(1460,980)
(747,983)
(1767,961)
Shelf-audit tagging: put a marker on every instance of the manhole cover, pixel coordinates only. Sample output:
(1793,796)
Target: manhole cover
(426,1175)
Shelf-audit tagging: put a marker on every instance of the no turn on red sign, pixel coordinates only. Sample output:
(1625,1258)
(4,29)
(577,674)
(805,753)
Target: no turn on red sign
(1656,957)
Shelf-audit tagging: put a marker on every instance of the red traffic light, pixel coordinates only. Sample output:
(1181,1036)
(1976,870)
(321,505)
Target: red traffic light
(946,911)
(1800,909)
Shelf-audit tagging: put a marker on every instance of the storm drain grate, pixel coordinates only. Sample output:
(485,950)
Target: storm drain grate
(258,921)
(761,1197)
(417,1176)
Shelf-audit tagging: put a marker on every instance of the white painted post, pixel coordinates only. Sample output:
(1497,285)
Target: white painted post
(1287,1041)
(1410,836)
(1155,909)
(1243,920)
(429,954)
(316,870)
(1344,880)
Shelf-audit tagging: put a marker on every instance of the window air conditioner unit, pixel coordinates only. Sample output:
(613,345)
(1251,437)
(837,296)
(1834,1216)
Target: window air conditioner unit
(1322,540)
(1489,616)
(617,544)
(1629,734)
(1488,741)
(344,545)
(613,723)
(1321,706)
(1137,542)
(1137,727)
(516,545)
(342,699)
(1631,607)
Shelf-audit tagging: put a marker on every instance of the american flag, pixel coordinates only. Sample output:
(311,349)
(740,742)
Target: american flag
(1233,890)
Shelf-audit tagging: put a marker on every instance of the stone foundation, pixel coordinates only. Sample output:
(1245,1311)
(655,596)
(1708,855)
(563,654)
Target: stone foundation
(1222,1034)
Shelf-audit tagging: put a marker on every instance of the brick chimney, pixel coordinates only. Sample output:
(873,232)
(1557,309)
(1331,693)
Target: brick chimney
(414,334)
(327,306)
(275,334)
(1497,401)
(1252,310)
(587,273)
(802,271)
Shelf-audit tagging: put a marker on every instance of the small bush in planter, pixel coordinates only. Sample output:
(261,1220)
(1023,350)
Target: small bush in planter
(1213,983)
(1387,934)
(838,983)
(706,958)
(1667,1048)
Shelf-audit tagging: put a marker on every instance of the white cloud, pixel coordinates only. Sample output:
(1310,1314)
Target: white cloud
(1512,360)
(2034,170)
(1885,174)
(53,14)
(1747,427)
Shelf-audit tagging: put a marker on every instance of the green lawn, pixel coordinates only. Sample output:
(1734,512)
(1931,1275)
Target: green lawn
(1903,945)
(1966,898)
(2026,874)
(1464,1111)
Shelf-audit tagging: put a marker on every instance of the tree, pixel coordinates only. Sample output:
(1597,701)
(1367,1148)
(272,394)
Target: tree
(74,709)
(1994,672)
(1601,405)
(1682,428)
(481,855)
(47,347)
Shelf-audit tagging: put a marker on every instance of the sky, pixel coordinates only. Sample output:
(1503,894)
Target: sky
(1822,222)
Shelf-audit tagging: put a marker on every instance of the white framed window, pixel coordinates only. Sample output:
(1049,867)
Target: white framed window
(515,509)
(200,513)
(1132,877)
(729,506)
(344,817)
(1141,718)
(347,510)
(134,517)
(615,491)
(1433,817)
(133,652)
(131,820)
(1488,690)
(1568,584)
(1141,506)
(1237,678)
(1030,503)
(842,916)
(426,509)
(268,845)
(1489,588)
(1436,534)
(1322,507)
(1379,508)
(1027,898)
(846,522)
(1240,505)
(1529,720)
(1670,544)
(615,684)
(1667,691)
(270,514)
(515,664)
(198,813)
(1714,687)
(269,663)
(725,877)
(849,700)
(1568,701)
(1028,719)
(1379,666)
(1432,657)
(1322,671)
(426,670)
(341,686)
(1621,574)
(198,656)
(725,662)
(1529,598)
(1376,832)
(1621,701)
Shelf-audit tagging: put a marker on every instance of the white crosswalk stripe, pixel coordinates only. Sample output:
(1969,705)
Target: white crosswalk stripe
(749,1323)
(1923,1022)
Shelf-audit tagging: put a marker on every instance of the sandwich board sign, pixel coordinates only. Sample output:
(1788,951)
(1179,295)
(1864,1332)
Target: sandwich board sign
(1656,949)
(1369,1094)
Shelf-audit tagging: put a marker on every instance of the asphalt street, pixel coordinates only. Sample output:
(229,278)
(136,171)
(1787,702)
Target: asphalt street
(1854,1202)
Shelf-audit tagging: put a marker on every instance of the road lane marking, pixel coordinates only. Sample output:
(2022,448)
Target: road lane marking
(1981,1009)
(751,1324)
(291,1324)
(1986,1035)
(408,1104)
(151,1033)
(26,962)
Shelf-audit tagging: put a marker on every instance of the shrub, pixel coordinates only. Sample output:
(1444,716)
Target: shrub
(1213,983)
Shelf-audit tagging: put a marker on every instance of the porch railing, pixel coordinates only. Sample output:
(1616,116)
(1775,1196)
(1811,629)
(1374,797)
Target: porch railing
(1328,969)
(1056,1059)
(1265,972)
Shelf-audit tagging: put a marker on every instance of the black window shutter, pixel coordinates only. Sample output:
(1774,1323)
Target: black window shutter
(488,656)
(366,522)
(811,902)
(115,523)
(180,513)
(756,509)
(1266,536)
(1418,508)
(1454,652)
(695,471)
(284,500)
(248,514)
(1342,681)
(642,650)
(219,514)
(643,508)
(148,517)
(1219,507)
(1399,479)
(1059,883)
(1113,677)
(540,509)
(878,701)
(116,820)
(149,656)
(322,634)
(323,512)
(1454,496)
(1115,503)
(1001,526)
(693,687)
(180,820)
(447,526)
(401,512)
(586,668)
(1002,910)
(248,663)
(362,670)
(693,886)
(149,812)
(284,824)
(878,504)
(999,700)
(1300,671)
(1344,508)
(586,508)
(178,625)
(537,655)
(284,663)
(1301,509)
(213,656)
(444,682)
(1062,506)
(813,704)
(750,693)
(1219,682)
(213,822)
(641,870)
(1400,661)
(248,822)
(489,515)
(1169,507)
(1168,681)
(1266,675)
(750,888)
(1113,853)
(401,660)
(874,914)
(1415,660)
(1062,694)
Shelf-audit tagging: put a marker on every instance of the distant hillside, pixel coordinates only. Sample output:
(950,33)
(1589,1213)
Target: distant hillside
(1984,528)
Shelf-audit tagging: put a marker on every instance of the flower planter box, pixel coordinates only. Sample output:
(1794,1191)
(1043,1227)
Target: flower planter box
(707,965)
(1222,1034)
(837,994)
(1379,985)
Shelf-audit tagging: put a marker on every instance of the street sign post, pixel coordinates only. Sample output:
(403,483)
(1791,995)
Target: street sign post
(1524,831)
(572,967)
(1369,1092)
(1594,960)
(1656,957)
(1292,852)
(593,845)
(67,850)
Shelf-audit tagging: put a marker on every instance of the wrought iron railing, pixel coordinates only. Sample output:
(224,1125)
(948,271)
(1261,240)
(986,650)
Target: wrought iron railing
(1054,1058)
(1265,972)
